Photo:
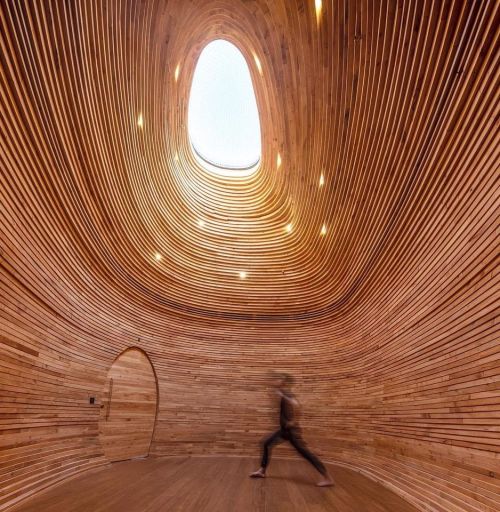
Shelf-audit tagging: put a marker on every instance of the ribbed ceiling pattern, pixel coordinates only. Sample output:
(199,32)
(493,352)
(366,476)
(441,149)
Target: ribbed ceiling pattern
(366,99)
(381,297)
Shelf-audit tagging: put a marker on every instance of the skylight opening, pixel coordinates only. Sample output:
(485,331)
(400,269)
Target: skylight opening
(223,119)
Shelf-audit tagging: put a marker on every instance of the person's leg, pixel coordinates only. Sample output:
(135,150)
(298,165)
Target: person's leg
(297,442)
(266,451)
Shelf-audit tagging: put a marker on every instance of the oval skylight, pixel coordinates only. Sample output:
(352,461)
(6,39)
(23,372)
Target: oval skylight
(223,120)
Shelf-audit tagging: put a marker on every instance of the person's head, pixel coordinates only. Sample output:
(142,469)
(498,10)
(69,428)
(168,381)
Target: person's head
(282,380)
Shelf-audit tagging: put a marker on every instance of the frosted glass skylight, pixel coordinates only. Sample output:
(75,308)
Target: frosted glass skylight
(223,120)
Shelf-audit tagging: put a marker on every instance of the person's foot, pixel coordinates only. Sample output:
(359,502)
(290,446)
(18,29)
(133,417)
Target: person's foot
(260,473)
(327,481)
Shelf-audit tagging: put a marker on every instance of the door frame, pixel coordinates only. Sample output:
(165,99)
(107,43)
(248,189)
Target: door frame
(134,347)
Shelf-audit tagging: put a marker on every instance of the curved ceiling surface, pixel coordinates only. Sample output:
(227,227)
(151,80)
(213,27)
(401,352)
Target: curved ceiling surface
(350,105)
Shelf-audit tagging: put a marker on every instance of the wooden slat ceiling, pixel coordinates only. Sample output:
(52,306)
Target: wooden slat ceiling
(388,319)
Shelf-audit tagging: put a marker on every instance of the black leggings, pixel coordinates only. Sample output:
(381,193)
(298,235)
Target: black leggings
(292,435)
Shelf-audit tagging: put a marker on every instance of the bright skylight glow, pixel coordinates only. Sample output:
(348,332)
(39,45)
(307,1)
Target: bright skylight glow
(223,120)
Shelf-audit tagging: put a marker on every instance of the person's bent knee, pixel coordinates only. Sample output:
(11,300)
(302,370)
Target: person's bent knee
(268,443)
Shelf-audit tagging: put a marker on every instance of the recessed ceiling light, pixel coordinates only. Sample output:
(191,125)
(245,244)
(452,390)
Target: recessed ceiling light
(257,63)
(176,74)
(318,4)
(140,121)
(323,230)
(243,274)
(278,161)
(158,256)
(289,228)
(321,180)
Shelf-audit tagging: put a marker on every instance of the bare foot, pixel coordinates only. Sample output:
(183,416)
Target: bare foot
(326,482)
(260,473)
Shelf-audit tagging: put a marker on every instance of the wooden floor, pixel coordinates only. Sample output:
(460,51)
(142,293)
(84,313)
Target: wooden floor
(214,484)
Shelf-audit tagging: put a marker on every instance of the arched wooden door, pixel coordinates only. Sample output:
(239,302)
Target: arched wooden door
(129,406)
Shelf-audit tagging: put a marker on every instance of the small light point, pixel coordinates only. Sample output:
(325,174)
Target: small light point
(318,4)
(257,63)
(158,256)
(278,161)
(177,70)
(289,228)
(140,121)
(321,180)
(323,230)
(243,274)
(201,223)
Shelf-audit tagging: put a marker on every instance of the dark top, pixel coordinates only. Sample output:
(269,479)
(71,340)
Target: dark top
(286,411)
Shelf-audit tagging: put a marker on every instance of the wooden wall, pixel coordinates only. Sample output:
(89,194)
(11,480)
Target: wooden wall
(388,321)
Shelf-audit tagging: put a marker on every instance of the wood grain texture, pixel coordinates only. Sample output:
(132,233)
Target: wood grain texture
(389,321)
(214,484)
(129,405)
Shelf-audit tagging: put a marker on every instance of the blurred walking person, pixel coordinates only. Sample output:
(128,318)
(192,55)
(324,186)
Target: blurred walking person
(289,431)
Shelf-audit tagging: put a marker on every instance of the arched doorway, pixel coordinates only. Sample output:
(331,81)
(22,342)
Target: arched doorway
(129,405)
